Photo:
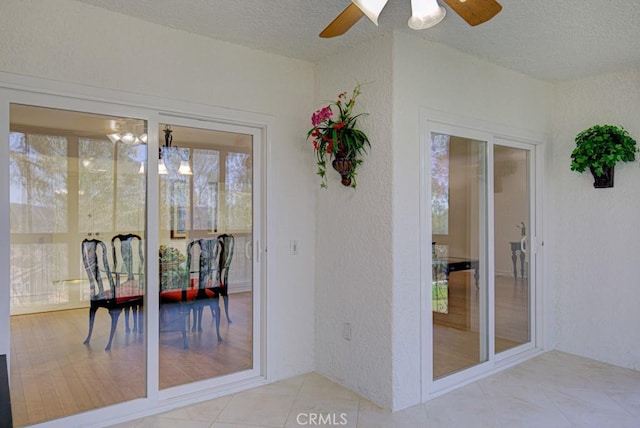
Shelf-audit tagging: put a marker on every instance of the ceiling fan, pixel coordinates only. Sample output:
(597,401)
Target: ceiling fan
(425,13)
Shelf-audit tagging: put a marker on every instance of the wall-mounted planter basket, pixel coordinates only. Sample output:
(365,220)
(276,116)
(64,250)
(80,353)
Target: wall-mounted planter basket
(344,166)
(605,180)
(599,149)
(335,135)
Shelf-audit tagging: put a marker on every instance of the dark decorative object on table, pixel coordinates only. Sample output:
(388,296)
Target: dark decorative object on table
(599,149)
(336,136)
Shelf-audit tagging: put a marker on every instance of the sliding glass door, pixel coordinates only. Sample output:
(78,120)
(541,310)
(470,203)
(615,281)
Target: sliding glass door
(206,264)
(459,216)
(77,331)
(133,281)
(512,230)
(482,210)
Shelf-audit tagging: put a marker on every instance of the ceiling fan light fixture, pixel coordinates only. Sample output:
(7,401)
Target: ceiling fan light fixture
(371,8)
(425,14)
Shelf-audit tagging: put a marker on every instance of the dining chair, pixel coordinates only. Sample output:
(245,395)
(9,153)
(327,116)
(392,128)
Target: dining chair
(96,264)
(128,270)
(227,243)
(207,253)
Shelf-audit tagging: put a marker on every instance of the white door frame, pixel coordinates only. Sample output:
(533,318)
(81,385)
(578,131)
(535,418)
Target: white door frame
(441,122)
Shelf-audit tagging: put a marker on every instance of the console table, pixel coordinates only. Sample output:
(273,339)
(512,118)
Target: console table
(515,248)
(456,264)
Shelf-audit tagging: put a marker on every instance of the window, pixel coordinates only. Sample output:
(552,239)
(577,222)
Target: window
(238,195)
(440,184)
(65,184)
(206,177)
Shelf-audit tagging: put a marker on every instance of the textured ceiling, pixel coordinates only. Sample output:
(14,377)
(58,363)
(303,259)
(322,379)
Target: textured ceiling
(546,39)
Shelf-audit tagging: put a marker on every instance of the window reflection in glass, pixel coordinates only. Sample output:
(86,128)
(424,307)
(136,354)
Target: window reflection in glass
(206,176)
(38,205)
(238,185)
(38,169)
(440,184)
(96,185)
(130,187)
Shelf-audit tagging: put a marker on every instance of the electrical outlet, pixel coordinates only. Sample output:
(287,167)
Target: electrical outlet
(293,248)
(346,331)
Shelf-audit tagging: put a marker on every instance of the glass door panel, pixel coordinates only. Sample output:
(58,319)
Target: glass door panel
(206,267)
(458,189)
(70,182)
(512,231)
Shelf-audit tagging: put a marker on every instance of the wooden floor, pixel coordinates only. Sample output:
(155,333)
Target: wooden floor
(53,374)
(456,337)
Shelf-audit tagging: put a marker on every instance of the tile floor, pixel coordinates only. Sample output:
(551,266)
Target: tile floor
(551,390)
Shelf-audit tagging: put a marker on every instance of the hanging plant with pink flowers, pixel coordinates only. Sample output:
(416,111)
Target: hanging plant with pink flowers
(334,136)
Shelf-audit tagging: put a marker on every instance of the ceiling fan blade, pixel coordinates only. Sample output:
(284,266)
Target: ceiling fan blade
(475,11)
(343,22)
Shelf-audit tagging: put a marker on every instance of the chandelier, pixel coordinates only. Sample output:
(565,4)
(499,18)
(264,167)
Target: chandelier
(169,152)
(129,132)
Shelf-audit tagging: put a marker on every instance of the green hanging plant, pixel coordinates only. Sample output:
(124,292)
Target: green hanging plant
(599,149)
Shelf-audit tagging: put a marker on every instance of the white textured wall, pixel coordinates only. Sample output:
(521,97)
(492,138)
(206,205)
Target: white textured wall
(368,248)
(73,42)
(354,280)
(439,78)
(595,231)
